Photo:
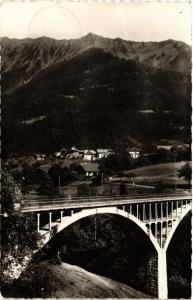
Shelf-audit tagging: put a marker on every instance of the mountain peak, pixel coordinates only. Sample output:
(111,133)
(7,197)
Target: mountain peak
(91,37)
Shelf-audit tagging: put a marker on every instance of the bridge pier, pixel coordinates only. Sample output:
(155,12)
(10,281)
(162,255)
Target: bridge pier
(50,221)
(152,274)
(162,275)
(156,274)
(61,216)
(38,222)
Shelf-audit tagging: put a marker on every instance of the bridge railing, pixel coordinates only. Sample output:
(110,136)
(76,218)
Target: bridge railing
(105,199)
(114,196)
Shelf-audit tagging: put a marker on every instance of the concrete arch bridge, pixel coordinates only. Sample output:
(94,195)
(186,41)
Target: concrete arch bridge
(158,216)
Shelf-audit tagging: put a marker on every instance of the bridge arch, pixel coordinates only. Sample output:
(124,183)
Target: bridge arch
(175,226)
(67,221)
(157,261)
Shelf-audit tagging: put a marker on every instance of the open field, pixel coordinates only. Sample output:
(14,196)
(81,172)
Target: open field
(149,176)
(166,173)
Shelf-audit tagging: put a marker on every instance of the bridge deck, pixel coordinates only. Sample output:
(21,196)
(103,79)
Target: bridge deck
(98,201)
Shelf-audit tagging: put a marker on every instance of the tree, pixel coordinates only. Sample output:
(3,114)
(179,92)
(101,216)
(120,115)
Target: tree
(46,186)
(55,173)
(19,235)
(123,189)
(60,175)
(131,175)
(29,174)
(186,172)
(97,179)
(116,162)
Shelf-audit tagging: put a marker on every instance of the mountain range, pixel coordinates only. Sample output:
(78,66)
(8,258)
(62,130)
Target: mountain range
(93,92)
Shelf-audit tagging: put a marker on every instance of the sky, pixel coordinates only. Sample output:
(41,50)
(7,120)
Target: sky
(144,21)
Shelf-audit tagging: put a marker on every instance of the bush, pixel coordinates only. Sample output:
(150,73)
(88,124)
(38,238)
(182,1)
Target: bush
(179,286)
(186,172)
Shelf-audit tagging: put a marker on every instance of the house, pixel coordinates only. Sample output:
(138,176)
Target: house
(89,155)
(86,170)
(90,169)
(40,157)
(74,149)
(58,154)
(104,153)
(134,153)
(74,153)
(165,147)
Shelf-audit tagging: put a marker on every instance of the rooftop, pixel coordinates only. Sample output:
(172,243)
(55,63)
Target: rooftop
(90,167)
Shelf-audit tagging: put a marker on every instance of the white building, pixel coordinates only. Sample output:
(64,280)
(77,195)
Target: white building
(58,154)
(165,147)
(104,153)
(89,155)
(75,153)
(134,153)
(40,157)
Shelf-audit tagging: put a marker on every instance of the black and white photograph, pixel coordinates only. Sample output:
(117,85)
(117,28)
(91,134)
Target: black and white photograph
(96,172)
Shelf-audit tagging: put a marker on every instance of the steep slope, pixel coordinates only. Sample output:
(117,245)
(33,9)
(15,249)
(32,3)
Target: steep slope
(23,59)
(47,280)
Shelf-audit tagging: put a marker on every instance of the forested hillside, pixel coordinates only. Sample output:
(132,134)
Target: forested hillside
(93,92)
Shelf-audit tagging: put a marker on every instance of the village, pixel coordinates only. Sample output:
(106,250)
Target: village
(85,172)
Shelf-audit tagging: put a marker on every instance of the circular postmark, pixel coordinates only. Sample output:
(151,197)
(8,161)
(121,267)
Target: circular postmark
(55,22)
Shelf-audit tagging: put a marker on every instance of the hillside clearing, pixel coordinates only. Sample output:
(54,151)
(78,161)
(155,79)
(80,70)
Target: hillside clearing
(167,173)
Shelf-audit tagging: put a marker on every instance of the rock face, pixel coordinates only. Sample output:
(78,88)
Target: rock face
(106,91)
(48,280)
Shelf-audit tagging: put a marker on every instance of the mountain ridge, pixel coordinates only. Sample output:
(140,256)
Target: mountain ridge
(33,55)
(94,35)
